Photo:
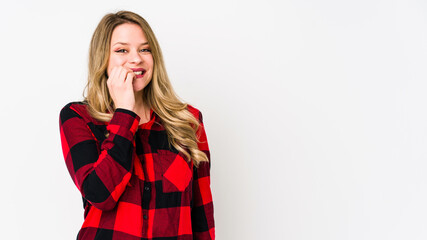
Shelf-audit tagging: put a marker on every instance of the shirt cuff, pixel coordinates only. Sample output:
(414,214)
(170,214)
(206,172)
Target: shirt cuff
(126,119)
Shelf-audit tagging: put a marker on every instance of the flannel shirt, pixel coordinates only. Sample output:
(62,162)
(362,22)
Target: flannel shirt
(134,184)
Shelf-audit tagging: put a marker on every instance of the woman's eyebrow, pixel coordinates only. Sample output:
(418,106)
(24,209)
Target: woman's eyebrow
(123,43)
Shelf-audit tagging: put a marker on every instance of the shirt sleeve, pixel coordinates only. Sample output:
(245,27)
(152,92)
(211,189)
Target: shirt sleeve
(202,213)
(101,177)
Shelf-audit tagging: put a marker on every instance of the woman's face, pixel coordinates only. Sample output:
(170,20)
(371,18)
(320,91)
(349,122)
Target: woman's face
(129,48)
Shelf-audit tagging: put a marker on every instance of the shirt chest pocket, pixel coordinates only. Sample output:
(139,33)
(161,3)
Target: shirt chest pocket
(177,173)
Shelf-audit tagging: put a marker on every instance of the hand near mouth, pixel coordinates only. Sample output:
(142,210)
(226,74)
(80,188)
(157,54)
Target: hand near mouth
(120,87)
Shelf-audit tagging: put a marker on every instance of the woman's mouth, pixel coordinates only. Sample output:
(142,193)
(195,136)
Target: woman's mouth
(139,72)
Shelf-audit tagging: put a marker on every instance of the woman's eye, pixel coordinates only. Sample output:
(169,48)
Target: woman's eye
(145,50)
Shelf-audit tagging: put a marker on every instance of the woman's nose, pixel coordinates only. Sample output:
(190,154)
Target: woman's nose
(135,57)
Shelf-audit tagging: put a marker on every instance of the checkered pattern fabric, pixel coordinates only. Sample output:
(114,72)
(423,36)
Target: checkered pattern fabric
(134,184)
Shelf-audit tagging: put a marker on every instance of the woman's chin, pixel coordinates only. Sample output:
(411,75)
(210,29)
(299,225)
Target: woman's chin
(138,88)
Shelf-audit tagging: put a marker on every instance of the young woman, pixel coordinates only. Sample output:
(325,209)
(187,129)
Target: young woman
(138,155)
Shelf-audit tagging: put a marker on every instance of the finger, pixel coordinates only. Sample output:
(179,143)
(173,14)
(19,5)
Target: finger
(128,71)
(123,73)
(130,77)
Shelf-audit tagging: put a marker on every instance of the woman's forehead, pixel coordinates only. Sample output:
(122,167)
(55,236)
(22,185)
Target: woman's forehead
(128,34)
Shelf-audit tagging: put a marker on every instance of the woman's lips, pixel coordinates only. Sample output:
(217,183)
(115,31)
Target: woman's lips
(139,72)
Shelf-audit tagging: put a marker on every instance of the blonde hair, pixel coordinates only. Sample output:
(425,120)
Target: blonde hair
(180,125)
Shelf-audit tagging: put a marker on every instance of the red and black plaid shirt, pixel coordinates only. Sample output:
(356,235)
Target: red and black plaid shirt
(133,183)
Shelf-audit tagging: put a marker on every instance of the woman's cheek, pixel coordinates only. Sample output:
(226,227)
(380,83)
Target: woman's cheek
(109,69)
(108,72)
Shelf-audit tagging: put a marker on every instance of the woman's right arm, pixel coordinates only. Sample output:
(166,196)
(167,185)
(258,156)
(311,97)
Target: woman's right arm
(101,177)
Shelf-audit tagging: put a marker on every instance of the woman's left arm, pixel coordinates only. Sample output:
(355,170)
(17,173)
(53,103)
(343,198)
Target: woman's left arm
(202,214)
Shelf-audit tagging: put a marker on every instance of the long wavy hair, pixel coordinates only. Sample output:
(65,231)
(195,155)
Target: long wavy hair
(180,125)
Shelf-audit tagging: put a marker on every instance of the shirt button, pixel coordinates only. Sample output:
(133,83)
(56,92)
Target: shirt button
(147,188)
(145,217)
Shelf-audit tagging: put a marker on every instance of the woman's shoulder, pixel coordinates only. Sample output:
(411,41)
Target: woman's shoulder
(77,109)
(75,103)
(75,106)
(196,112)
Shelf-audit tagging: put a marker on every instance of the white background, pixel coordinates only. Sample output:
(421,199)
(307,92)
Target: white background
(314,110)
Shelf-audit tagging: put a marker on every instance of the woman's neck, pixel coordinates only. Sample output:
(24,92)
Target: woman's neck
(141,108)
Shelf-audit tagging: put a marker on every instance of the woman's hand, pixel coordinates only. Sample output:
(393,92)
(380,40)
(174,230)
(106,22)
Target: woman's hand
(120,86)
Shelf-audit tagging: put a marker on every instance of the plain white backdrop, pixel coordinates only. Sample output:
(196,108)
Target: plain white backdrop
(315,112)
